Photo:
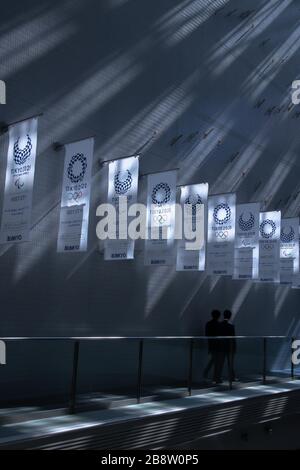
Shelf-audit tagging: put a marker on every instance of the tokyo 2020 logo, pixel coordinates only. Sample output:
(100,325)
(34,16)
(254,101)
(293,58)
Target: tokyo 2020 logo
(78,160)
(267,229)
(161,194)
(21,155)
(122,182)
(248,224)
(222,214)
(287,237)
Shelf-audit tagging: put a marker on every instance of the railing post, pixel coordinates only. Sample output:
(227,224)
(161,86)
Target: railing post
(190,378)
(140,371)
(74,378)
(292,364)
(230,359)
(264,359)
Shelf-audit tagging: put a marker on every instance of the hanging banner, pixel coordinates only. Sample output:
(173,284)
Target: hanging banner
(246,249)
(17,205)
(70,225)
(75,198)
(221,234)
(123,176)
(269,246)
(193,197)
(161,200)
(289,250)
(296,277)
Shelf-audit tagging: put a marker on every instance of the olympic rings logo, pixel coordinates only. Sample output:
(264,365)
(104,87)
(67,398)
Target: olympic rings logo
(225,212)
(223,235)
(160,218)
(21,155)
(75,196)
(268,246)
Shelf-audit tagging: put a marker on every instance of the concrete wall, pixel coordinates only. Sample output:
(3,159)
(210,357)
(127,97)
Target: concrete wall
(122,70)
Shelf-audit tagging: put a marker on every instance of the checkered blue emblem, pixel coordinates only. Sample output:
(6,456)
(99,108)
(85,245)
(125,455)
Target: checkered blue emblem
(248,224)
(77,177)
(227,216)
(161,194)
(287,237)
(267,223)
(21,155)
(193,199)
(122,182)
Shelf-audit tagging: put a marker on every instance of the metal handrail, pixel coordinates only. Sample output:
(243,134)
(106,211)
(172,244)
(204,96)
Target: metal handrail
(98,338)
(75,340)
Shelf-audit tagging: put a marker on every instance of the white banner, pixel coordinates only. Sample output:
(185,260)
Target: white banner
(123,176)
(76,190)
(289,250)
(161,200)
(70,224)
(221,234)
(269,246)
(16,214)
(246,252)
(296,277)
(193,197)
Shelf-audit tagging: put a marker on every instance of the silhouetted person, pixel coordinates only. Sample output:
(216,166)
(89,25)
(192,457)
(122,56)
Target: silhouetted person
(228,346)
(212,328)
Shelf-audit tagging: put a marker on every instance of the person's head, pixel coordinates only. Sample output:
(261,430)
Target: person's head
(227,314)
(216,314)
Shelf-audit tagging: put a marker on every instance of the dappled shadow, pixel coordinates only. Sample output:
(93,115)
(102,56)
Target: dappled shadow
(212,84)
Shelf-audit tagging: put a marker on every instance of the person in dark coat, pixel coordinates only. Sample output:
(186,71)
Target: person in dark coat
(228,346)
(212,328)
